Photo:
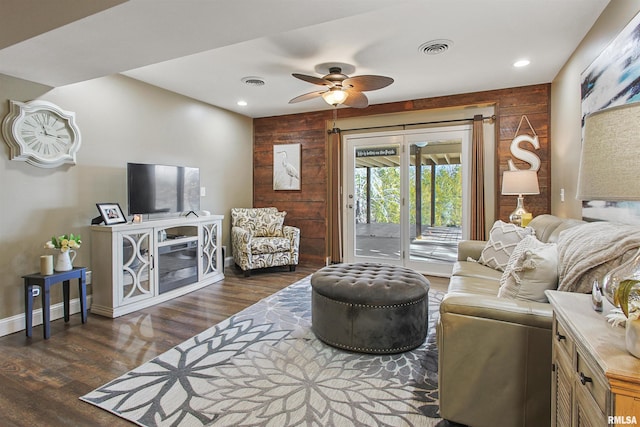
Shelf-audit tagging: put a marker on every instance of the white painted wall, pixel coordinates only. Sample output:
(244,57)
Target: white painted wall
(121,120)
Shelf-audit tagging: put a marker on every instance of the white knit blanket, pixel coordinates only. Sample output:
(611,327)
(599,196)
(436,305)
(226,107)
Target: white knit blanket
(588,251)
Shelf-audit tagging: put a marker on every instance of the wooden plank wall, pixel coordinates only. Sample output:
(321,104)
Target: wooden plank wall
(536,106)
(307,208)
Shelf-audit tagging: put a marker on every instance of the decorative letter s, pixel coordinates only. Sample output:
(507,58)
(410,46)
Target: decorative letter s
(525,155)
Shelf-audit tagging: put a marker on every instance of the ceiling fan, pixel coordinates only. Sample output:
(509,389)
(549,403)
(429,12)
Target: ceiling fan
(342,89)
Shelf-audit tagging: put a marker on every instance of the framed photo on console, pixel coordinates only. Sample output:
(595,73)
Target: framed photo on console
(111,213)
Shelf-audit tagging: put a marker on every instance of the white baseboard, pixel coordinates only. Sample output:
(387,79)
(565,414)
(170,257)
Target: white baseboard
(10,325)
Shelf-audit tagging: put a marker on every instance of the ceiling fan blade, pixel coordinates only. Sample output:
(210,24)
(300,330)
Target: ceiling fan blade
(356,99)
(312,79)
(367,82)
(307,96)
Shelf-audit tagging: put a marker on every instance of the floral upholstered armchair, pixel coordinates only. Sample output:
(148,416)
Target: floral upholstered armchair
(260,239)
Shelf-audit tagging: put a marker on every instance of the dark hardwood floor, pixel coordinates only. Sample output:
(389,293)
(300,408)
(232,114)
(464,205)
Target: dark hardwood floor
(41,380)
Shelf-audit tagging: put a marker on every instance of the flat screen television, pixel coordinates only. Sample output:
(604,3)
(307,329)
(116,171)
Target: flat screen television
(154,189)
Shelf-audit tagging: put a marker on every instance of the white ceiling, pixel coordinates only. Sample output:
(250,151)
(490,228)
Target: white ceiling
(203,48)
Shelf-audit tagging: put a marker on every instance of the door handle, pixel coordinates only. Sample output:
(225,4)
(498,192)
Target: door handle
(584,379)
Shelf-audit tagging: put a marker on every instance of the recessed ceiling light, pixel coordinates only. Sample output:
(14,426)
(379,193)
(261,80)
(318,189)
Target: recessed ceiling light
(242,103)
(521,63)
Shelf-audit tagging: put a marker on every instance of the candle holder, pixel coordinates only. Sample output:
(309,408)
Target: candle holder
(46,265)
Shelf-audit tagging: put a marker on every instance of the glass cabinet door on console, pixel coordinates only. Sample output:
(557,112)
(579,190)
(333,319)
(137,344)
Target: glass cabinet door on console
(136,262)
(209,249)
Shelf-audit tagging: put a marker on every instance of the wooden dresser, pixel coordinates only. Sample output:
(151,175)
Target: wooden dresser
(596,381)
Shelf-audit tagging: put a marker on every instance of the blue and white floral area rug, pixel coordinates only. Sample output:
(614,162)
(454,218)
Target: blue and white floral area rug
(264,367)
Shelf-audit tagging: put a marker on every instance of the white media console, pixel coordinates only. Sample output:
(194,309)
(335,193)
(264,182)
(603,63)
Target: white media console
(138,265)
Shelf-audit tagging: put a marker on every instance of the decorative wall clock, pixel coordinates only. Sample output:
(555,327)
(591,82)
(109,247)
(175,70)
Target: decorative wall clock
(41,133)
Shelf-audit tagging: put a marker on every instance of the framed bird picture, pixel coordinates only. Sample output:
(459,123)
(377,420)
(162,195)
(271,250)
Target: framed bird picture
(286,166)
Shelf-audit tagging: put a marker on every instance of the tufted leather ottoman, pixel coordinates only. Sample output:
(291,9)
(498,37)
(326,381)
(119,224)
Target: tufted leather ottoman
(370,308)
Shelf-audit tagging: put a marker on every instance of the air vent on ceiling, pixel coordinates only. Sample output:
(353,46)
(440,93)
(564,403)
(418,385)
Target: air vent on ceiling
(435,47)
(253,81)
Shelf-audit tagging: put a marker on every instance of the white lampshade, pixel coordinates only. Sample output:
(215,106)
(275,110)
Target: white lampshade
(335,96)
(610,153)
(520,182)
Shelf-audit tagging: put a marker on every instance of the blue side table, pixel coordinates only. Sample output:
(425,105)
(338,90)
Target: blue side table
(45,282)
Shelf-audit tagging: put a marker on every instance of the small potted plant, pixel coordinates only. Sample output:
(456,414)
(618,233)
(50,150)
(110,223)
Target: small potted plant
(67,245)
(627,296)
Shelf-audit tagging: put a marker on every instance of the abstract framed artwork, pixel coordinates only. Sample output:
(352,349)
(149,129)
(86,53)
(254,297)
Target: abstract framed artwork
(286,166)
(612,79)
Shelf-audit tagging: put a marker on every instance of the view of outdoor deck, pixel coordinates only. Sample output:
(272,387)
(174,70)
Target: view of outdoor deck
(434,201)
(436,244)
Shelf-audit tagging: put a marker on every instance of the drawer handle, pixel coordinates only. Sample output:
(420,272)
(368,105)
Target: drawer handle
(584,379)
(560,337)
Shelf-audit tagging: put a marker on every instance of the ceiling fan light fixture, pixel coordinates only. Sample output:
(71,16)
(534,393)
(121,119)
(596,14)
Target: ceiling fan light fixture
(335,96)
(339,88)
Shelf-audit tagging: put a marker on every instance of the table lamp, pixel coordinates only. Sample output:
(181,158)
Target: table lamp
(609,170)
(520,183)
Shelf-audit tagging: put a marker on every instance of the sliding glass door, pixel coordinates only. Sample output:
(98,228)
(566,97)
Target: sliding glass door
(375,199)
(405,197)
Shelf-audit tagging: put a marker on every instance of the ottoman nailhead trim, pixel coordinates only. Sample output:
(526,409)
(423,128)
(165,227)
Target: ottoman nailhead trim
(368,350)
(350,304)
